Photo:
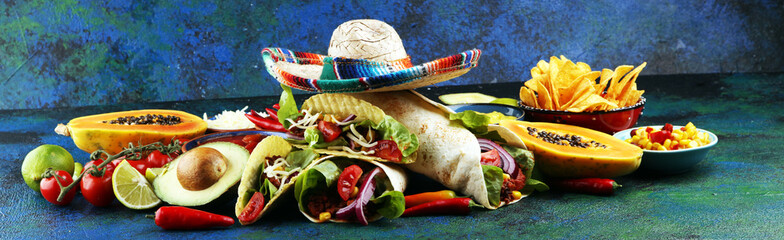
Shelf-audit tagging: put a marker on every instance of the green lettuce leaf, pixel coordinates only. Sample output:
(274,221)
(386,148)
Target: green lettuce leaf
(390,129)
(288,107)
(390,204)
(300,158)
(471,120)
(318,178)
(268,189)
(525,159)
(315,139)
(494,178)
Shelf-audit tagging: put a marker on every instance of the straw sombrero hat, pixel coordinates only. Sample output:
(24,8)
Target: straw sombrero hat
(364,56)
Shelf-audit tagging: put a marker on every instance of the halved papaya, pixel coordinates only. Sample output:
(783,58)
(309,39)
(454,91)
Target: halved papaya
(568,151)
(114,131)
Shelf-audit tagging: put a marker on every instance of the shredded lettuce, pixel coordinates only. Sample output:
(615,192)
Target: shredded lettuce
(494,179)
(288,107)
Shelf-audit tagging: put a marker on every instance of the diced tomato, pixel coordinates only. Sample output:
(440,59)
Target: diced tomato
(347,180)
(667,127)
(387,149)
(330,130)
(491,158)
(253,209)
(649,129)
(658,137)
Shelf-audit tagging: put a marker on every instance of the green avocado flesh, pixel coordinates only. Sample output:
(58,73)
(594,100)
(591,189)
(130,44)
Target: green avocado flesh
(168,187)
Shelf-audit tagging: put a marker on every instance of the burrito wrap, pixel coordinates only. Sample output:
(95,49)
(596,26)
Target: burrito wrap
(448,153)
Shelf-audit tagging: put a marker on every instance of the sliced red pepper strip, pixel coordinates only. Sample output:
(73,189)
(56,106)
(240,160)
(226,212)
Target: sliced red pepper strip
(426,197)
(265,123)
(452,206)
(182,218)
(252,211)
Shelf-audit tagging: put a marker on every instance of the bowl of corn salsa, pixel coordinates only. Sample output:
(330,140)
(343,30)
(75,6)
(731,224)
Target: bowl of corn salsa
(673,152)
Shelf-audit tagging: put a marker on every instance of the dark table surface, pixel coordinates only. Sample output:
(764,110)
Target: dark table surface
(736,192)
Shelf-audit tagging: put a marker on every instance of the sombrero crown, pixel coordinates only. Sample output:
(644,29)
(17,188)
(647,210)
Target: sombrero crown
(363,55)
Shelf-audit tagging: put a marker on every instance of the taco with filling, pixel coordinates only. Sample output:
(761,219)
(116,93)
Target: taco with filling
(331,123)
(345,189)
(490,164)
(272,169)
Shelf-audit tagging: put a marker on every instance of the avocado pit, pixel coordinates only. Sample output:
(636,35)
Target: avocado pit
(200,168)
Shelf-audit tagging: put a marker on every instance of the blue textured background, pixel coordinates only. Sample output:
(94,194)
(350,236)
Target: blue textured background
(73,53)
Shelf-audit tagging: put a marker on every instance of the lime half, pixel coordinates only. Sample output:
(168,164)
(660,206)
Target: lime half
(463,98)
(132,188)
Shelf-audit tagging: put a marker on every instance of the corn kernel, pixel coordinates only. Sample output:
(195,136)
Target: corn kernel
(648,145)
(324,216)
(684,142)
(516,195)
(693,144)
(636,138)
(676,136)
(667,143)
(643,142)
(662,148)
(506,176)
(673,144)
(354,192)
(628,140)
(656,145)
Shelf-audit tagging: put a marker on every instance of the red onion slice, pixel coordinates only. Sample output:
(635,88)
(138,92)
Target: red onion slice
(508,163)
(357,208)
(347,120)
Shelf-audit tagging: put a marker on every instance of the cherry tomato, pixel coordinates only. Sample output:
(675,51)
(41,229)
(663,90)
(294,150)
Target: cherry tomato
(50,188)
(109,167)
(253,209)
(491,158)
(97,190)
(157,159)
(330,130)
(347,180)
(140,165)
(387,149)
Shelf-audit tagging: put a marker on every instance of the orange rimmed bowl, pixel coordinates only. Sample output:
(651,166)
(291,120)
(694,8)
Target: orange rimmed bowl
(608,122)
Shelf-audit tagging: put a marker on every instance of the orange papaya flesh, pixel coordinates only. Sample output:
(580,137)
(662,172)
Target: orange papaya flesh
(94,132)
(567,151)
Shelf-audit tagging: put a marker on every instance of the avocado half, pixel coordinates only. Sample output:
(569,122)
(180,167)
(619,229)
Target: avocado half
(168,187)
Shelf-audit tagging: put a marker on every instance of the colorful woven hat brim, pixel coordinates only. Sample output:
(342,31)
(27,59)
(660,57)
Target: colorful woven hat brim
(333,75)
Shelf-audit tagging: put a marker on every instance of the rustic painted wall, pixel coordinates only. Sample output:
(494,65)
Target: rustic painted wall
(76,53)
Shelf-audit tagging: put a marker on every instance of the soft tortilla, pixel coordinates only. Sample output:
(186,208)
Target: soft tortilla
(396,175)
(448,153)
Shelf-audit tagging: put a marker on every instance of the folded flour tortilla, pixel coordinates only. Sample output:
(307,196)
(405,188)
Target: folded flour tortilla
(448,153)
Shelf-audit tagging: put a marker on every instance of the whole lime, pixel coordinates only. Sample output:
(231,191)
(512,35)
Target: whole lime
(41,158)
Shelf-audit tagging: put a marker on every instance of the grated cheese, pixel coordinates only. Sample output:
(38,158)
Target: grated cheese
(231,120)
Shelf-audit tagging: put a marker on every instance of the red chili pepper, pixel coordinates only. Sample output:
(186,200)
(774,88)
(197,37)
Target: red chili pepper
(426,197)
(273,114)
(265,123)
(452,206)
(276,106)
(182,218)
(596,186)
